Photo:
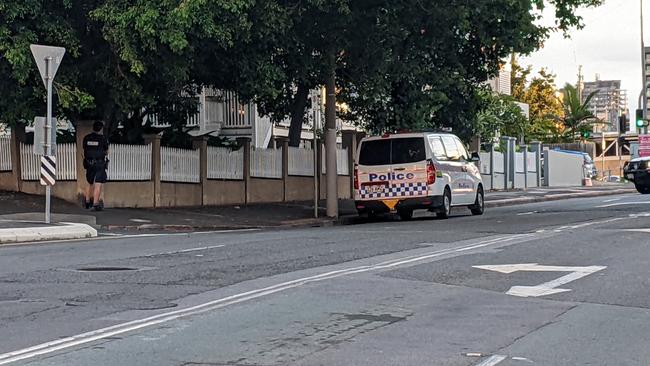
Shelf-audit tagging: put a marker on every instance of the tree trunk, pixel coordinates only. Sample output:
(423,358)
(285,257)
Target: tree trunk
(298,114)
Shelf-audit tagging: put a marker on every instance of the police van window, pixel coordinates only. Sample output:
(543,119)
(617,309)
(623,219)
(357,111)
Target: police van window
(437,148)
(375,152)
(461,149)
(453,153)
(408,150)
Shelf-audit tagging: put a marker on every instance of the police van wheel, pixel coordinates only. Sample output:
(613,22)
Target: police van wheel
(445,209)
(479,204)
(406,215)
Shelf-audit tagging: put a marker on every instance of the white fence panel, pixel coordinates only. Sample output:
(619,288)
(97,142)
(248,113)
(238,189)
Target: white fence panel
(266,163)
(485,162)
(519,162)
(223,163)
(498,162)
(531,161)
(29,163)
(342,163)
(129,162)
(5,153)
(66,162)
(301,161)
(180,165)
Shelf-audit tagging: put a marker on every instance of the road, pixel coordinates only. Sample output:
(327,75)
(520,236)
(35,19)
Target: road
(556,283)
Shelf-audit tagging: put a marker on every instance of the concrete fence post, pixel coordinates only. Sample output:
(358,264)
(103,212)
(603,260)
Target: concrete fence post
(201,143)
(350,142)
(491,167)
(525,150)
(245,143)
(284,144)
(505,140)
(537,149)
(154,140)
(16,163)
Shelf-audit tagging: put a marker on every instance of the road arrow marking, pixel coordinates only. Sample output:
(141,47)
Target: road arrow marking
(546,288)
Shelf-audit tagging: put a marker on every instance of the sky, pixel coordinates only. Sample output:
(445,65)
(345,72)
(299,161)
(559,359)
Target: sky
(608,45)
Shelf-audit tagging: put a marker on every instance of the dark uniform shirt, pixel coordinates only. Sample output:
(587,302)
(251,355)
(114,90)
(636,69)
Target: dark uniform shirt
(95,146)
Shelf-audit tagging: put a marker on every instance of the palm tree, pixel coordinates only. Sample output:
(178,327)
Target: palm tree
(577,116)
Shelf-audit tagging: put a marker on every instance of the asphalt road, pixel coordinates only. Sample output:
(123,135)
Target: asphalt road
(425,292)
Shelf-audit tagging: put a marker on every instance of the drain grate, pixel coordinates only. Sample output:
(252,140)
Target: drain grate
(106,269)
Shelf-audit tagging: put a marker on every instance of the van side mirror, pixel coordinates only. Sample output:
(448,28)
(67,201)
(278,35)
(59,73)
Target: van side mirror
(475,157)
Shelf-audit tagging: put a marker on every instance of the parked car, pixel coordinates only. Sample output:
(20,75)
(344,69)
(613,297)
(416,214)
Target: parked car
(588,165)
(638,172)
(399,173)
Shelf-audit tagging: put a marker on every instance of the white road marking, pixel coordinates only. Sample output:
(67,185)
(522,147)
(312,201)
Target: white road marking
(522,359)
(492,360)
(526,213)
(190,250)
(80,339)
(612,200)
(624,204)
(546,288)
(637,230)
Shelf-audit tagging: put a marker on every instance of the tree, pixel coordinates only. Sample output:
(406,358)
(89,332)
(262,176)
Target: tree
(577,116)
(541,96)
(499,115)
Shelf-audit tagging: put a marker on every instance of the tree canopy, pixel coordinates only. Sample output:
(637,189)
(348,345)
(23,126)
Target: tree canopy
(407,64)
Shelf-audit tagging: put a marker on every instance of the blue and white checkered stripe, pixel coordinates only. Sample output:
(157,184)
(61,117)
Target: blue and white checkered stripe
(397,190)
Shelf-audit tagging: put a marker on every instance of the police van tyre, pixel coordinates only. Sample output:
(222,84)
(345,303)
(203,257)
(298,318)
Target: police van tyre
(405,215)
(479,204)
(445,209)
(642,189)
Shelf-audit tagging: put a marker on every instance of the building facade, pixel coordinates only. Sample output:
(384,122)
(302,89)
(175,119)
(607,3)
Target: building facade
(608,104)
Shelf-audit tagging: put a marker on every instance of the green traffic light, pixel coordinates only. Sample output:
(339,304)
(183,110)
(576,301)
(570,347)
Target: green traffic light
(639,123)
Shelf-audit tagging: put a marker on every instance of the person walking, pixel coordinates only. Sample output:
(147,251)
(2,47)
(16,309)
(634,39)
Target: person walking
(95,162)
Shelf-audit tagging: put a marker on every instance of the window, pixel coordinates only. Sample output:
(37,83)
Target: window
(453,153)
(408,150)
(461,149)
(375,152)
(437,148)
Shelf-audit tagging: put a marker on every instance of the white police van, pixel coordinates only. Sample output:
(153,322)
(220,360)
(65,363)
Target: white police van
(399,173)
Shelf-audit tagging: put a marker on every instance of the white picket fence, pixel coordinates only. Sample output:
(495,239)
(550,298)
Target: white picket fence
(342,162)
(301,161)
(5,153)
(266,163)
(66,162)
(129,162)
(180,165)
(223,163)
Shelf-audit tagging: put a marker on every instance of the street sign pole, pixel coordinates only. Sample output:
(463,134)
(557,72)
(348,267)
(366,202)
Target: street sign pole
(48,135)
(48,59)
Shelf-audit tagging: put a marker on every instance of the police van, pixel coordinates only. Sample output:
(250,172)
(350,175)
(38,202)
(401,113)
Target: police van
(399,173)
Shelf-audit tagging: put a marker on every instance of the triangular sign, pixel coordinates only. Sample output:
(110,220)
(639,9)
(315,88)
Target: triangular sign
(41,53)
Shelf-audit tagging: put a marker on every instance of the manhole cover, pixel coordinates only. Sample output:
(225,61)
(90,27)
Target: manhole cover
(106,269)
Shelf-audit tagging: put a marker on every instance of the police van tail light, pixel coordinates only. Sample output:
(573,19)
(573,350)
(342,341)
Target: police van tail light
(431,172)
(356,177)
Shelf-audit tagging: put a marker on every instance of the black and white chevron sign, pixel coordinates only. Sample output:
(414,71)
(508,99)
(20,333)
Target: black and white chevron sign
(48,170)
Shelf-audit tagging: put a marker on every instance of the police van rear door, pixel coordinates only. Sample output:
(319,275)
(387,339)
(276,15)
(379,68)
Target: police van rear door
(409,166)
(374,169)
(392,168)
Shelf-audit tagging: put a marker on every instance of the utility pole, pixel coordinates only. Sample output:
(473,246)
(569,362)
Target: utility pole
(644,88)
(330,139)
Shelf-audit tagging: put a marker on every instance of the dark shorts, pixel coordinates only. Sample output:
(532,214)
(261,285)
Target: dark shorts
(96,173)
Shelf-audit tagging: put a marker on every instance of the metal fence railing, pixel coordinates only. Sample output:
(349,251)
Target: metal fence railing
(5,153)
(223,163)
(180,165)
(129,162)
(266,163)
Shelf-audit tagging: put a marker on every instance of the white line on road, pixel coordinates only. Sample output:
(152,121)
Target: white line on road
(190,250)
(80,339)
(492,360)
(526,213)
(612,200)
(624,204)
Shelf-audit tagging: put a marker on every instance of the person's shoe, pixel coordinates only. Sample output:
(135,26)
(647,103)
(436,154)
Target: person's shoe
(97,208)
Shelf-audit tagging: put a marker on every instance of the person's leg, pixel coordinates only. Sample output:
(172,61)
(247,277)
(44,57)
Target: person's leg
(97,193)
(88,198)
(100,179)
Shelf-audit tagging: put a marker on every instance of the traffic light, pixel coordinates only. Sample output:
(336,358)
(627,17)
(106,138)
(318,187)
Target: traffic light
(623,125)
(639,118)
(586,134)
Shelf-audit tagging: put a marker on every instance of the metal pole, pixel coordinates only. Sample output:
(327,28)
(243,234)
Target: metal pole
(48,134)
(330,140)
(644,88)
(315,111)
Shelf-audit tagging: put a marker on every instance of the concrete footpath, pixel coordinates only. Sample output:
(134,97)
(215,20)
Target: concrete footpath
(21,211)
